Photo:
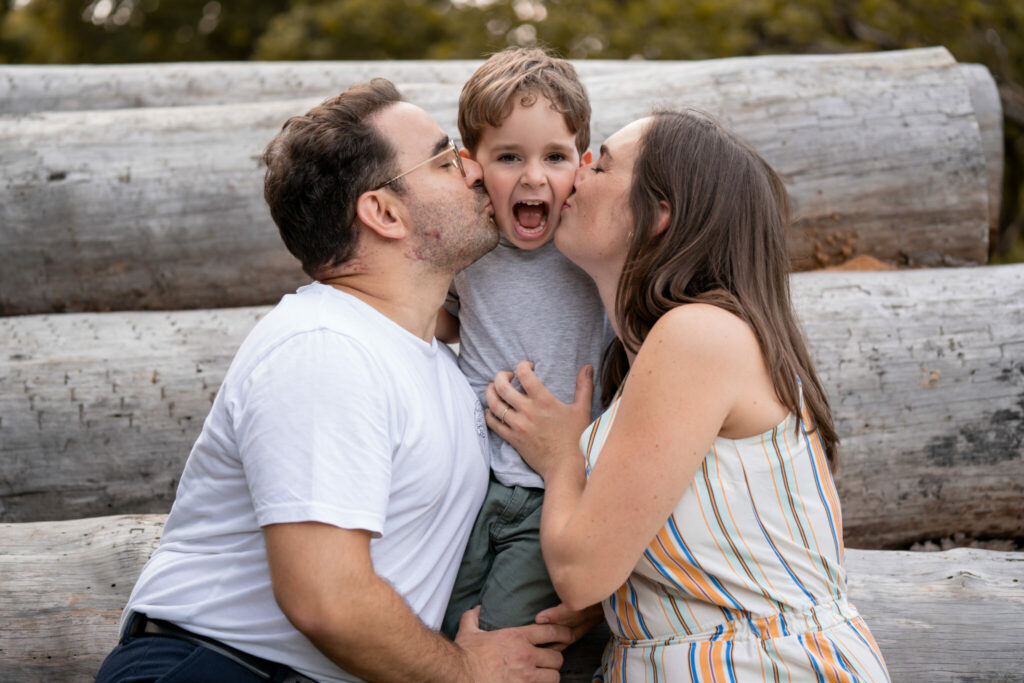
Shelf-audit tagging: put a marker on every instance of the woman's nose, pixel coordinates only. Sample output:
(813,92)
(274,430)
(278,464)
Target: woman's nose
(581,173)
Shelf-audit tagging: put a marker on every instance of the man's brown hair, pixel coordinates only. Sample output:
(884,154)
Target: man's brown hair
(319,165)
(521,75)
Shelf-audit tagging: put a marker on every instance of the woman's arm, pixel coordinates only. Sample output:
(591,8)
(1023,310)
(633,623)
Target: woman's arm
(686,379)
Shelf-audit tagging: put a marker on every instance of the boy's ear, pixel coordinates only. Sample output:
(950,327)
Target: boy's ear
(464,153)
(382,212)
(664,214)
(587,158)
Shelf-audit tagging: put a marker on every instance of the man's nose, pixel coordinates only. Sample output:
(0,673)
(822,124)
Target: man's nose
(474,172)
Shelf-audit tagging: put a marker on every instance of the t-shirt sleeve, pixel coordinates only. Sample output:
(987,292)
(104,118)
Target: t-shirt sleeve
(313,426)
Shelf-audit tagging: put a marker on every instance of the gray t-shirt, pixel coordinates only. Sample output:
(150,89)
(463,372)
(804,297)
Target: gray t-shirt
(515,304)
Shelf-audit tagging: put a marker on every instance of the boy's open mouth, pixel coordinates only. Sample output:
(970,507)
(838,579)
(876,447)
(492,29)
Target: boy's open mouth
(531,218)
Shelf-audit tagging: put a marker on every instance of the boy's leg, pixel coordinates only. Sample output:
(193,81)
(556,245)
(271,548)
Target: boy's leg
(476,561)
(518,586)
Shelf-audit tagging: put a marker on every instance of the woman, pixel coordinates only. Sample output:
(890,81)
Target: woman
(721,427)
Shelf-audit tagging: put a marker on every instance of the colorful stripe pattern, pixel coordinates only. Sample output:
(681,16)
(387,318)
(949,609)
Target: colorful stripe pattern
(745,582)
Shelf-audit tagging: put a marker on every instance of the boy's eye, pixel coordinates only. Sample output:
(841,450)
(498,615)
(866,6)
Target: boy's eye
(508,157)
(557,157)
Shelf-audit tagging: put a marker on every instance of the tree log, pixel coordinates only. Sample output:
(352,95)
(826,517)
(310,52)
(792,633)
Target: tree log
(65,585)
(29,89)
(989,111)
(161,208)
(925,373)
(925,370)
(99,411)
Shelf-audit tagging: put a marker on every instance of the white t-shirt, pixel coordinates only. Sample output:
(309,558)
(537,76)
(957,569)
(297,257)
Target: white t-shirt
(330,412)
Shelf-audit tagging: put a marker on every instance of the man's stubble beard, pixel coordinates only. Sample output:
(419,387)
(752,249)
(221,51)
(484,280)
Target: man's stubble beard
(451,235)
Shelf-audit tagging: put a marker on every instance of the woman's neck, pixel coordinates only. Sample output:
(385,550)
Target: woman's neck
(607,289)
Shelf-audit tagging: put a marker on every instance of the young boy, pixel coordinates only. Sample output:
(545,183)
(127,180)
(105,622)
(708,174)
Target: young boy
(524,117)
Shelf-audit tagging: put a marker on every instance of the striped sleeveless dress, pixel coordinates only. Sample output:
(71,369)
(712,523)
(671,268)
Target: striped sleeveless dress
(745,581)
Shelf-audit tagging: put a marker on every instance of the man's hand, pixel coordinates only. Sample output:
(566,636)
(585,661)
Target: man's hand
(512,654)
(578,622)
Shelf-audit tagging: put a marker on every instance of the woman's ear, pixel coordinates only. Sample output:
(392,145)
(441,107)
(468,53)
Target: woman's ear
(381,212)
(587,158)
(664,214)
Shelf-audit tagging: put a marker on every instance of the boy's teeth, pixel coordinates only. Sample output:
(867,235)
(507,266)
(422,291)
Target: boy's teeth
(531,215)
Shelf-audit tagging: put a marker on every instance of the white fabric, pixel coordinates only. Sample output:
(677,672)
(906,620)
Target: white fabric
(330,412)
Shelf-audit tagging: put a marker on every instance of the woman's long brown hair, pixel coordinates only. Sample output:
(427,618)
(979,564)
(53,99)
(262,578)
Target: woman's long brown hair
(725,245)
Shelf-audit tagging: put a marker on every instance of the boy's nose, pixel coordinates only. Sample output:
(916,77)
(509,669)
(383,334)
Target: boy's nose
(533,174)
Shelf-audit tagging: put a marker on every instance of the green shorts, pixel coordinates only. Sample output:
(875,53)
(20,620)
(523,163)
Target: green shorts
(503,570)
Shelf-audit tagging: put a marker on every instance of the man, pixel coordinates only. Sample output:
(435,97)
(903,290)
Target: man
(323,511)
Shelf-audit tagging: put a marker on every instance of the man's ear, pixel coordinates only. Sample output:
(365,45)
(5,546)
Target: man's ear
(587,158)
(382,212)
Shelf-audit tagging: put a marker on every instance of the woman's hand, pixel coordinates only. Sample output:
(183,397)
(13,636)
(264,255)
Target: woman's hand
(541,428)
(578,621)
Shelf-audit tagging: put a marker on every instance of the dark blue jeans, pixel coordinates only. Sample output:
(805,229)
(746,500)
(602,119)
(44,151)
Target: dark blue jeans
(152,659)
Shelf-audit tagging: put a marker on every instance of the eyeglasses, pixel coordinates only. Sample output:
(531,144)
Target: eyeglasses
(450,148)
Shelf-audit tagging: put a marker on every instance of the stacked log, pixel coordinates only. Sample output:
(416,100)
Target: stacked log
(161,207)
(925,370)
(931,613)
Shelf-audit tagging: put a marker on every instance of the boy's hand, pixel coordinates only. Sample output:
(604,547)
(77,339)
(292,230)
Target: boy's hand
(579,622)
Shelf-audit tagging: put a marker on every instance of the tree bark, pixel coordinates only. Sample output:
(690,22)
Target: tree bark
(161,208)
(925,373)
(65,584)
(924,369)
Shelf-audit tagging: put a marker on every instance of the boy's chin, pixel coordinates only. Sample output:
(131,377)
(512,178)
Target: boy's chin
(527,241)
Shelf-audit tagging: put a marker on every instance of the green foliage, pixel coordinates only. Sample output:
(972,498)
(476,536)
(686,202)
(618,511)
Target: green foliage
(119,31)
(990,32)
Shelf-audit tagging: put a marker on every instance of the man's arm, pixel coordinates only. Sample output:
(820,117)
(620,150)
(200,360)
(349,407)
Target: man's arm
(324,582)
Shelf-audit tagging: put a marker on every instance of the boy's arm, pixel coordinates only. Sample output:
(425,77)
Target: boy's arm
(447,327)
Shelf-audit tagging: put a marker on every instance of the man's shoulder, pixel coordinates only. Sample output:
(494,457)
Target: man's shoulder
(311,317)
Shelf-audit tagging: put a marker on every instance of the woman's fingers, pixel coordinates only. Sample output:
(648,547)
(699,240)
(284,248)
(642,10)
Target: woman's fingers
(505,391)
(495,403)
(530,382)
(500,428)
(584,387)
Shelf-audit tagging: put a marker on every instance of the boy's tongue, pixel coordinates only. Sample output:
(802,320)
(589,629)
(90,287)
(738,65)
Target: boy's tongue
(530,217)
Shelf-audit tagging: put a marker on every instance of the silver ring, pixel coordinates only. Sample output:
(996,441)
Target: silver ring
(502,418)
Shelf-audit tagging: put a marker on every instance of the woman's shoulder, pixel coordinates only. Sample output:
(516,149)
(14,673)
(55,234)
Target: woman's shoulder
(704,326)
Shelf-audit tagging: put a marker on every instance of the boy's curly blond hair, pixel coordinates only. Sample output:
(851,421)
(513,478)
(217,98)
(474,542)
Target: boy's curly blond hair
(521,75)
